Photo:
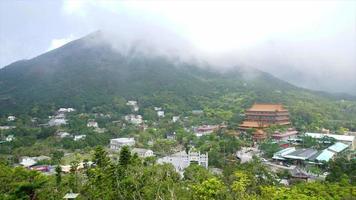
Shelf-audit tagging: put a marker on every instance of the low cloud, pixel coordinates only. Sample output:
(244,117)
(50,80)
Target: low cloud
(56,43)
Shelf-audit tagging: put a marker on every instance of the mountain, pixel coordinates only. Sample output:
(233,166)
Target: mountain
(91,72)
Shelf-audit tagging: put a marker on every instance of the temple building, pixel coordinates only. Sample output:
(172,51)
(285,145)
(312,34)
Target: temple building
(263,115)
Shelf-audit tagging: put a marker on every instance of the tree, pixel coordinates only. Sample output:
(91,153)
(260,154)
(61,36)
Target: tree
(212,188)
(125,156)
(58,175)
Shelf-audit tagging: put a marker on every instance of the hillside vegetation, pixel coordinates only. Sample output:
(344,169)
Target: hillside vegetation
(90,74)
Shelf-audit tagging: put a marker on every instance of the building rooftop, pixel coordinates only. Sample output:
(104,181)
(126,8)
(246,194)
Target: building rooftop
(325,155)
(123,140)
(301,154)
(338,147)
(267,107)
(70,196)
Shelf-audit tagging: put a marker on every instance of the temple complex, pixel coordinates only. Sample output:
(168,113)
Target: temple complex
(260,116)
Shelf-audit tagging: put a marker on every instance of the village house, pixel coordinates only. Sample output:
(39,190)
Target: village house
(11,118)
(65,110)
(160,113)
(182,160)
(263,115)
(134,119)
(30,161)
(143,153)
(10,138)
(79,137)
(117,143)
(93,124)
(175,119)
(133,105)
(205,130)
(62,134)
(57,122)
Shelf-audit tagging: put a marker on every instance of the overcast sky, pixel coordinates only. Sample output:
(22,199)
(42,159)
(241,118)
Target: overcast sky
(315,40)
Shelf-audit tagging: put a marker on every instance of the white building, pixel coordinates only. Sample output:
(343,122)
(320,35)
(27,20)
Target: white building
(143,153)
(27,161)
(11,118)
(57,122)
(182,160)
(79,137)
(175,119)
(133,105)
(7,127)
(117,143)
(64,110)
(157,108)
(134,119)
(347,139)
(63,134)
(93,124)
(10,138)
(160,113)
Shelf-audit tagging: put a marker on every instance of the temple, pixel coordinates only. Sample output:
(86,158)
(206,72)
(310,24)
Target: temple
(260,116)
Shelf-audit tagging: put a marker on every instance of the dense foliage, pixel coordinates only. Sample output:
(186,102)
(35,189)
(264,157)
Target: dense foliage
(133,178)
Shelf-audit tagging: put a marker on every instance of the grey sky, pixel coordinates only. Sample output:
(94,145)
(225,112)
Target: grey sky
(314,39)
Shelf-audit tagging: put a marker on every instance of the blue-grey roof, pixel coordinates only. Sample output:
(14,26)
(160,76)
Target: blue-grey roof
(338,147)
(325,155)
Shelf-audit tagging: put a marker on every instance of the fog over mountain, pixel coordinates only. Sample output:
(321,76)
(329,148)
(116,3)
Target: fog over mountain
(314,50)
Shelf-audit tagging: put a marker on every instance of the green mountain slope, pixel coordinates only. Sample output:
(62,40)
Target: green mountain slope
(88,73)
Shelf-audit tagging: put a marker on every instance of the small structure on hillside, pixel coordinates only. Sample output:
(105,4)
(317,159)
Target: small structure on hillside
(134,119)
(10,138)
(93,124)
(143,153)
(11,118)
(79,137)
(71,195)
(133,105)
(65,110)
(117,143)
(62,134)
(175,119)
(205,130)
(160,113)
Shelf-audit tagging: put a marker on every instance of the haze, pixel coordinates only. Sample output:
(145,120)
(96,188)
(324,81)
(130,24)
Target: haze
(308,43)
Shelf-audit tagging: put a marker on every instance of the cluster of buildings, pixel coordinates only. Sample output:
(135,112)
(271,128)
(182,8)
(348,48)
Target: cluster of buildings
(134,119)
(182,160)
(307,156)
(60,117)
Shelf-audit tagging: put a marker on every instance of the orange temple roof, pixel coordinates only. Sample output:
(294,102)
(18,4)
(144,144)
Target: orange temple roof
(267,107)
(253,124)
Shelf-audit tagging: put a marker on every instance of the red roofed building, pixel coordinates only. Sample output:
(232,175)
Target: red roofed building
(264,115)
